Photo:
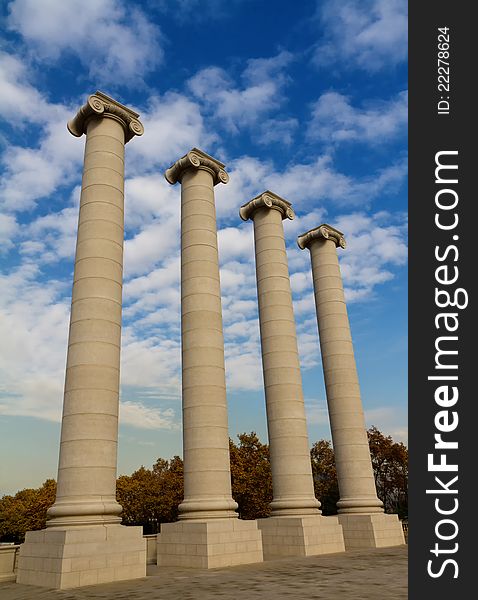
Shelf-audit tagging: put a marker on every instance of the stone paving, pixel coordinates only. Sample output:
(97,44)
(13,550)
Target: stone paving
(372,574)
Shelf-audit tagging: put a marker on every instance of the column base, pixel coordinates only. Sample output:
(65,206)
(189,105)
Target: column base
(371,531)
(69,558)
(300,536)
(209,544)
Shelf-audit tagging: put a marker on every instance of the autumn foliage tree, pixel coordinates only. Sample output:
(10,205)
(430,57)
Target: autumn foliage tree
(390,467)
(152,496)
(25,511)
(251,476)
(326,487)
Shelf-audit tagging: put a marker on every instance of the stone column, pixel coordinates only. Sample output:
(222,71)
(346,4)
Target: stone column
(292,482)
(358,496)
(208,508)
(86,487)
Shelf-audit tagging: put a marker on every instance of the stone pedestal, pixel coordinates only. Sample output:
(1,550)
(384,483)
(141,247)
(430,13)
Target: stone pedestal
(292,483)
(371,531)
(300,536)
(69,558)
(86,489)
(208,502)
(356,481)
(209,544)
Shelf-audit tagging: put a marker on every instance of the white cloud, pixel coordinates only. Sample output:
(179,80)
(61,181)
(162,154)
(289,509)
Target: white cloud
(34,320)
(306,184)
(300,281)
(370,34)
(20,100)
(138,415)
(117,45)
(335,120)
(51,159)
(376,247)
(304,305)
(235,243)
(34,173)
(373,248)
(156,280)
(150,365)
(248,178)
(173,124)
(234,107)
(259,69)
(149,197)
(52,237)
(277,130)
(244,372)
(316,411)
(8,229)
(155,242)
(390,421)
(115,41)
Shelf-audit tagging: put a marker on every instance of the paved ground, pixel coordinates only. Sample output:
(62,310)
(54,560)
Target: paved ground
(359,575)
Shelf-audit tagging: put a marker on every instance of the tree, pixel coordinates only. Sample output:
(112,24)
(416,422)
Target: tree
(251,476)
(26,511)
(151,496)
(326,487)
(390,467)
(172,487)
(137,495)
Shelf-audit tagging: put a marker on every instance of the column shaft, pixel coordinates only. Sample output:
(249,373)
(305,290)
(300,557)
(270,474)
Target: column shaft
(207,478)
(86,490)
(354,467)
(293,489)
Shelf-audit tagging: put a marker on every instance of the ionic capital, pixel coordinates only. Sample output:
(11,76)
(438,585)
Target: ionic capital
(101,105)
(267,200)
(322,232)
(196,159)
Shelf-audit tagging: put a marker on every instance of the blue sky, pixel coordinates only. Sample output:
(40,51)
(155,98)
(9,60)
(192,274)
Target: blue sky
(306,99)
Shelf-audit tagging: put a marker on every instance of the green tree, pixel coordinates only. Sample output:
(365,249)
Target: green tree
(251,476)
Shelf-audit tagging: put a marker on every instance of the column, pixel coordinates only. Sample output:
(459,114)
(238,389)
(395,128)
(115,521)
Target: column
(86,486)
(293,488)
(208,508)
(359,508)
